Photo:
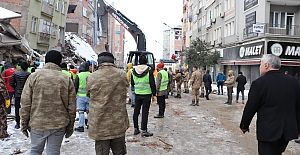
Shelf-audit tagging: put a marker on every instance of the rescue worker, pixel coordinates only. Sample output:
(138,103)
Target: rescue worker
(48,107)
(17,82)
(108,113)
(186,80)
(178,79)
(33,66)
(82,100)
(18,67)
(129,71)
(195,82)
(73,71)
(144,87)
(172,83)
(64,69)
(4,103)
(1,68)
(7,74)
(162,81)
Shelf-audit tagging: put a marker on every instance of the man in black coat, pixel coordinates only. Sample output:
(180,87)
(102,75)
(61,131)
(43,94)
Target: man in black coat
(275,97)
(241,80)
(207,83)
(17,82)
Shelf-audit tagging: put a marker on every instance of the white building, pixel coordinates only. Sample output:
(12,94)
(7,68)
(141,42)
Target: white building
(172,42)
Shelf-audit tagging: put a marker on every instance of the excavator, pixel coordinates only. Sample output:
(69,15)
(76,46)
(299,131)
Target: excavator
(103,9)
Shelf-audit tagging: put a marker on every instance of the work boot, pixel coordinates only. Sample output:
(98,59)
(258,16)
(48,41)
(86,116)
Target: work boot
(136,131)
(243,102)
(236,101)
(145,133)
(79,129)
(193,103)
(197,103)
(159,116)
(178,96)
(17,126)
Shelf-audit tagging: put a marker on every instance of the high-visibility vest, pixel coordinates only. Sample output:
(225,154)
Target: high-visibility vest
(67,73)
(29,69)
(18,67)
(82,83)
(164,80)
(142,85)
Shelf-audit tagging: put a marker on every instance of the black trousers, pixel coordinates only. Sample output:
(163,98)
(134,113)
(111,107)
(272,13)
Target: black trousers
(207,90)
(272,148)
(229,94)
(17,107)
(162,104)
(220,84)
(144,102)
(8,110)
(238,93)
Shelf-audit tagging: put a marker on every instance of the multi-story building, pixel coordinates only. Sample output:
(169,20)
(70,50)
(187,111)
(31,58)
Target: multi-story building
(118,45)
(42,22)
(187,23)
(172,42)
(243,30)
(82,20)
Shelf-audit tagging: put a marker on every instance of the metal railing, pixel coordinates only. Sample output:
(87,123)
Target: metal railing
(47,9)
(43,38)
(292,30)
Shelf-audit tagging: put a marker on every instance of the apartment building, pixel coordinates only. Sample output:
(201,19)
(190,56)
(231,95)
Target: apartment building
(82,21)
(187,23)
(118,45)
(42,22)
(243,30)
(172,42)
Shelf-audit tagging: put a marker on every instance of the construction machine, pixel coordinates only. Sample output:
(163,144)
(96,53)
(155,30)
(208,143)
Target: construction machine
(103,9)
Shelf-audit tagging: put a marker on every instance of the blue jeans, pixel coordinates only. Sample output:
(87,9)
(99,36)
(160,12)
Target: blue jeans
(132,96)
(83,105)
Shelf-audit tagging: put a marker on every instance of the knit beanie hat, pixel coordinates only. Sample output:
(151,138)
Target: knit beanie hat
(143,60)
(54,57)
(106,57)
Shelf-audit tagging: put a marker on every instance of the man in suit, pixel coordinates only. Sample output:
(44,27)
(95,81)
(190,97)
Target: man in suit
(241,80)
(207,83)
(275,97)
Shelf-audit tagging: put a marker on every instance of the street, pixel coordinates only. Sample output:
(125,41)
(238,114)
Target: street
(211,128)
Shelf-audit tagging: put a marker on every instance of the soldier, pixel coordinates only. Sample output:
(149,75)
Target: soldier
(48,106)
(172,83)
(178,79)
(4,103)
(195,82)
(108,114)
(186,80)
(82,100)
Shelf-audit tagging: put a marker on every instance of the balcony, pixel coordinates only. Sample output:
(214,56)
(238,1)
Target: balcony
(291,30)
(90,23)
(91,6)
(47,9)
(43,38)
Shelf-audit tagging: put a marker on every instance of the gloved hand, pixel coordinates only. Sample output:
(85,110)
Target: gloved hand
(69,130)
(7,103)
(25,128)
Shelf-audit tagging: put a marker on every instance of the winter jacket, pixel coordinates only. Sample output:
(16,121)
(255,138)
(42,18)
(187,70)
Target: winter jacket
(178,78)
(241,80)
(221,78)
(186,76)
(196,80)
(230,81)
(7,74)
(141,71)
(107,92)
(207,80)
(18,80)
(48,100)
(84,67)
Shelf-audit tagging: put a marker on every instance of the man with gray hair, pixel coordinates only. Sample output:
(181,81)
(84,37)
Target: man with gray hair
(275,97)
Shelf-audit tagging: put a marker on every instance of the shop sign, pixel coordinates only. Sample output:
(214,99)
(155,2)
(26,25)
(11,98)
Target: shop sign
(284,49)
(249,4)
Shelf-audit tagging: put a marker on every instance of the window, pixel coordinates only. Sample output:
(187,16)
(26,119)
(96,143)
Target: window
(33,24)
(217,33)
(57,5)
(45,26)
(49,2)
(203,20)
(84,11)
(63,7)
(229,4)
(53,30)
(279,19)
(229,29)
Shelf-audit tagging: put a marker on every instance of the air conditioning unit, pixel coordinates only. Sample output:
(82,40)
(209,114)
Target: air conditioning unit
(219,41)
(198,11)
(213,20)
(222,14)
(212,43)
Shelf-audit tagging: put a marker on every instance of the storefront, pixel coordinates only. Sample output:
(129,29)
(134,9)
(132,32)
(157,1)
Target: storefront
(244,58)
(289,54)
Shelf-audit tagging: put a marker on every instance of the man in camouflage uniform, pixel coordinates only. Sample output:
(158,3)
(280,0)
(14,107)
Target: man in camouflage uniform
(4,103)
(195,82)
(172,83)
(178,79)
(107,88)
(186,80)
(48,106)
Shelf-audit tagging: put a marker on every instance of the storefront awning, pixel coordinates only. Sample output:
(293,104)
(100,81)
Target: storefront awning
(257,62)
(290,63)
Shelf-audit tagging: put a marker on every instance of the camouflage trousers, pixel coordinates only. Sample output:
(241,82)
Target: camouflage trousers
(178,88)
(202,89)
(117,146)
(186,85)
(195,94)
(3,122)
(171,87)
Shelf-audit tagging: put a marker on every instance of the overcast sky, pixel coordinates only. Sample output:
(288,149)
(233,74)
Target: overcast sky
(150,16)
